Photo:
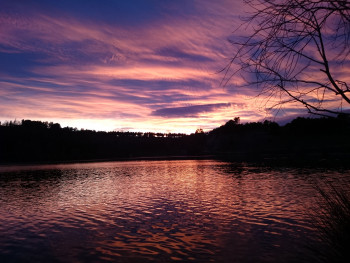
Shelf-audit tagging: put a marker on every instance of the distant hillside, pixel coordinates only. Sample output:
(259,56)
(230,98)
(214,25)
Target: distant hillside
(302,139)
(36,141)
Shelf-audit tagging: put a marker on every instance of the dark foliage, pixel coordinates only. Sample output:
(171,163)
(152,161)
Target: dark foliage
(304,140)
(323,139)
(331,221)
(35,141)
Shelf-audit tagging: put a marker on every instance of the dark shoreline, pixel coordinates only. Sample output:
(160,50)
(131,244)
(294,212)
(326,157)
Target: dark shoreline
(301,143)
(141,158)
(307,160)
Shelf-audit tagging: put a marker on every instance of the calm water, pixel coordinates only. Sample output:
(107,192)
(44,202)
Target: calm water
(163,211)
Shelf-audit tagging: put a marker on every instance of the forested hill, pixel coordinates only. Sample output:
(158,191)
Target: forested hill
(303,139)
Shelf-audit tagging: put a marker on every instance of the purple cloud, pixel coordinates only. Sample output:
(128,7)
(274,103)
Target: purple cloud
(189,111)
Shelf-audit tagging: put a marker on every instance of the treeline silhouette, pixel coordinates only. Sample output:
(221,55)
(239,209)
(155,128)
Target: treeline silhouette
(36,141)
(303,139)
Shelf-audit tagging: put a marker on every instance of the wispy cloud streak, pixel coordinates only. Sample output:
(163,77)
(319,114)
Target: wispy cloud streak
(143,64)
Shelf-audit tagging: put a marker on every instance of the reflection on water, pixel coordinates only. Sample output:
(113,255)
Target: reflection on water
(193,211)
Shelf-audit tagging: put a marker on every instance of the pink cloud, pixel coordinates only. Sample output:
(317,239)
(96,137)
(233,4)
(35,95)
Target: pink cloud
(87,69)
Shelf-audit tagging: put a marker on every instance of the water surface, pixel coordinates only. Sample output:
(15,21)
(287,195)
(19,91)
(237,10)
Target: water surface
(162,211)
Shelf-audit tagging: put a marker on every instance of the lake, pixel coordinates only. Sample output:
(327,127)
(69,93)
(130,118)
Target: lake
(158,211)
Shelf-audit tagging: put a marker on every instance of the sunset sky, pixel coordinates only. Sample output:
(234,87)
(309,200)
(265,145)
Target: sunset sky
(124,65)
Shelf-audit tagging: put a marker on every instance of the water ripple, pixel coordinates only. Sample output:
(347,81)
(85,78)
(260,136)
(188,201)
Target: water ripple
(193,211)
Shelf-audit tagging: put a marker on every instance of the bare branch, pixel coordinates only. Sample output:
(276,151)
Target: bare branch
(291,43)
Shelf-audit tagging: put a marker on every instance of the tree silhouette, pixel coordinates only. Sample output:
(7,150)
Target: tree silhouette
(296,51)
(35,141)
(199,131)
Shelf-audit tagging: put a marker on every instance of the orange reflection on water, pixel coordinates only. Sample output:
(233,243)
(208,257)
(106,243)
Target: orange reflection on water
(172,210)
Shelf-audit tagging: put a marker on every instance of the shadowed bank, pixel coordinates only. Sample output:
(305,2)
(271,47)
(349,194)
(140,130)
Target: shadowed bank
(304,141)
